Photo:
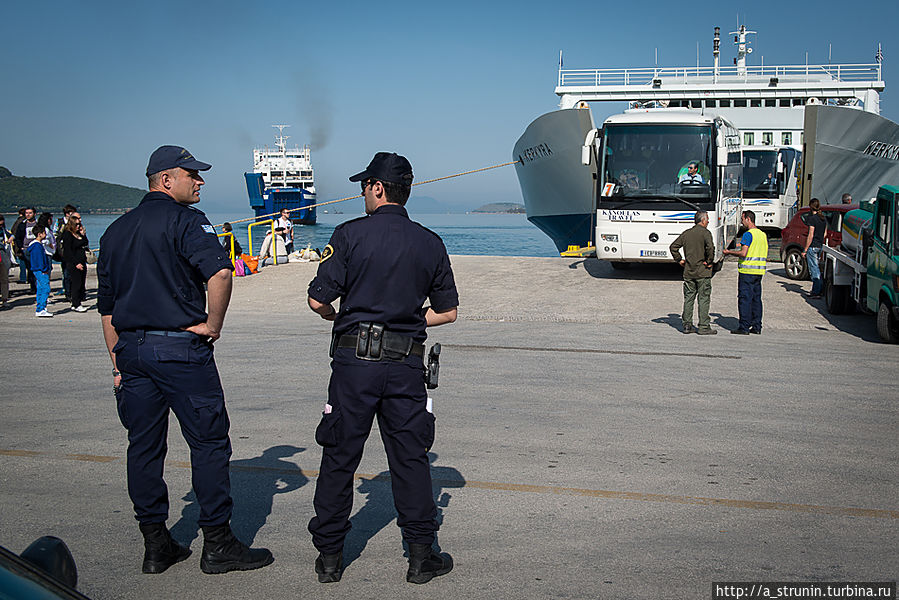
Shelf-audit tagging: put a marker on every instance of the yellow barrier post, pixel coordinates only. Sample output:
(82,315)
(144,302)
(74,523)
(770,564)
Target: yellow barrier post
(250,234)
(231,252)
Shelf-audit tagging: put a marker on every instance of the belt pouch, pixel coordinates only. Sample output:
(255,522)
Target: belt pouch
(376,341)
(363,338)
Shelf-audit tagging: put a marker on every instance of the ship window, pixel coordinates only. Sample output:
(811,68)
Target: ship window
(785,102)
(798,102)
(696,103)
(748,139)
(770,102)
(740,103)
(755,103)
(767,138)
(711,103)
(786,138)
(725,103)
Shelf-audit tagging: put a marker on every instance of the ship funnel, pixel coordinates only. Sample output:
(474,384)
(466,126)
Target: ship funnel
(716,51)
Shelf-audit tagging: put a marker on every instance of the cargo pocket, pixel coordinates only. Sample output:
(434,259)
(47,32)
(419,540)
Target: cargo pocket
(329,433)
(209,413)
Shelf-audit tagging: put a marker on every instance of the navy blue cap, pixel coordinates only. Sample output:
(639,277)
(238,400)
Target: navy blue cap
(169,157)
(387,166)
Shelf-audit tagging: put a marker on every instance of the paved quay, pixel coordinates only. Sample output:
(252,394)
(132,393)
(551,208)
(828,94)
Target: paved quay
(585,447)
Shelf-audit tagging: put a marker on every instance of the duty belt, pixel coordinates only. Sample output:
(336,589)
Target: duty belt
(372,342)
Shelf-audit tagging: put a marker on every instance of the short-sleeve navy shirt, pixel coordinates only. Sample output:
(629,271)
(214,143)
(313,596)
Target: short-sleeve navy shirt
(383,267)
(154,262)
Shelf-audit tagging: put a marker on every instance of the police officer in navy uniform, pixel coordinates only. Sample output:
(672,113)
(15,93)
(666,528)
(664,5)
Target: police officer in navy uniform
(154,263)
(382,267)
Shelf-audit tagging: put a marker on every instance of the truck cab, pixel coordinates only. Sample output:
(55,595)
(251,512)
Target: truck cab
(883,264)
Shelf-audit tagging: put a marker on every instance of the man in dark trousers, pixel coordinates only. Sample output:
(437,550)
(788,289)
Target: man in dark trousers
(382,267)
(154,263)
(699,254)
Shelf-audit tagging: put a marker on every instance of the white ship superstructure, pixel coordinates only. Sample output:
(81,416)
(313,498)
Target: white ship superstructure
(283,167)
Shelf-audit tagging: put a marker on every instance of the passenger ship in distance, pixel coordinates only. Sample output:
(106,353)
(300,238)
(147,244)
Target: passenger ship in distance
(282,178)
(561,185)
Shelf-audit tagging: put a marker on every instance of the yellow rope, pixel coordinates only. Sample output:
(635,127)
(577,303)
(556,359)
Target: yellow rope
(360,195)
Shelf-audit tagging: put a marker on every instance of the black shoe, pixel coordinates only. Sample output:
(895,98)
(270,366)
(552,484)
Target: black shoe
(688,328)
(425,564)
(329,567)
(160,550)
(222,552)
(739,332)
(706,331)
(755,330)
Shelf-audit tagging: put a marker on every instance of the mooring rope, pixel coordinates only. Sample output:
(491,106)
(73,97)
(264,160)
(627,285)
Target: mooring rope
(360,195)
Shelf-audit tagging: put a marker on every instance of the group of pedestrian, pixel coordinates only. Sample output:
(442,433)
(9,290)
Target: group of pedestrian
(698,259)
(159,324)
(35,242)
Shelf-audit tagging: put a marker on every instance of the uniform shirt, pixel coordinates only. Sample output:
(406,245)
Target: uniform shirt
(154,262)
(383,267)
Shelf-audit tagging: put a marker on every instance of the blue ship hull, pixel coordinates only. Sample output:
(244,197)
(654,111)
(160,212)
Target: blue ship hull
(266,201)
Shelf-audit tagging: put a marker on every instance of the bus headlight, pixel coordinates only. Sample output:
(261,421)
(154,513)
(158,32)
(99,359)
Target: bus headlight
(609,237)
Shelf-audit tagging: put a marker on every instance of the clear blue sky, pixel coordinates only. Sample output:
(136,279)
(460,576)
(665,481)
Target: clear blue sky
(91,88)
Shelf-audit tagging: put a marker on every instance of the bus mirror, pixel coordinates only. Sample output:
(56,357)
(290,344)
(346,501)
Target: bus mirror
(586,154)
(780,167)
(722,156)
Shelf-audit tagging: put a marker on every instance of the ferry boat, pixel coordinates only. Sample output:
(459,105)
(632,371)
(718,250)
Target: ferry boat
(282,178)
(560,184)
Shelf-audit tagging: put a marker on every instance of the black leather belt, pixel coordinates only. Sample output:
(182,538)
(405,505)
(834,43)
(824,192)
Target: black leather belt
(372,342)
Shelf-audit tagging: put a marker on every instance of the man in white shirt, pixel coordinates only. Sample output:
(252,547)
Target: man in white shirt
(692,176)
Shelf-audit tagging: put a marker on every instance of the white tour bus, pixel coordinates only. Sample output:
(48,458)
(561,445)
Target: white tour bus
(646,196)
(769,184)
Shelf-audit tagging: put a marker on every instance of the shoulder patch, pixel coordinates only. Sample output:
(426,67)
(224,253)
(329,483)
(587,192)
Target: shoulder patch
(327,253)
(209,229)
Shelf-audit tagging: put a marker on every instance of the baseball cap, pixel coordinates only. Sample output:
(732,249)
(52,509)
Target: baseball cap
(169,157)
(387,166)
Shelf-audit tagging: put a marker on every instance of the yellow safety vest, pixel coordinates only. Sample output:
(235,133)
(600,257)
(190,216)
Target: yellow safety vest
(756,256)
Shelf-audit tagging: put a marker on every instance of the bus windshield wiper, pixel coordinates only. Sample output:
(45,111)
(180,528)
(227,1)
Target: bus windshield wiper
(666,198)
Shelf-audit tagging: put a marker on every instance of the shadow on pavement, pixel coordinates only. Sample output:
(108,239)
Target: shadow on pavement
(254,484)
(379,511)
(862,326)
(603,269)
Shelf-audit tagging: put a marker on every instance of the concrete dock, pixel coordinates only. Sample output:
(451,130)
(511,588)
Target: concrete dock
(585,447)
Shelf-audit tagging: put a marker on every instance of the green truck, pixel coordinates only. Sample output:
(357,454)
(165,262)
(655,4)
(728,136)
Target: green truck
(863,272)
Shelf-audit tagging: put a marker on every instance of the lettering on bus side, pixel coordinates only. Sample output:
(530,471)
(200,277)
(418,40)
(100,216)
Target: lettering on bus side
(534,152)
(619,215)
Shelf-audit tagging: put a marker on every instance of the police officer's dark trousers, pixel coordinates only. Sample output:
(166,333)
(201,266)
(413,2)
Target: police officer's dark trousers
(395,392)
(176,372)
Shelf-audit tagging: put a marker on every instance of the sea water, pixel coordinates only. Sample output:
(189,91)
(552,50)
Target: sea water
(469,233)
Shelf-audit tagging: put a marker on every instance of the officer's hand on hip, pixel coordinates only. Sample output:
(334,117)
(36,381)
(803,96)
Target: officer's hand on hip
(204,331)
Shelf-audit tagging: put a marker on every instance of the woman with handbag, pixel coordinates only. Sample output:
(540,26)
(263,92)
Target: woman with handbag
(74,245)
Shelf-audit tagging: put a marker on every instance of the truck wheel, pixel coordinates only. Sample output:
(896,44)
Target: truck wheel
(795,265)
(886,324)
(836,297)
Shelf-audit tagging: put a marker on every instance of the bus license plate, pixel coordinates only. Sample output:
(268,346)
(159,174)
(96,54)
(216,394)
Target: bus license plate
(654,253)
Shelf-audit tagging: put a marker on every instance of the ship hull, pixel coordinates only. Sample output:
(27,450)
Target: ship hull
(558,190)
(268,201)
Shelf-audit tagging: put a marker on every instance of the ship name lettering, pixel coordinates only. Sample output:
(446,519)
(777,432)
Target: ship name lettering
(883,150)
(535,152)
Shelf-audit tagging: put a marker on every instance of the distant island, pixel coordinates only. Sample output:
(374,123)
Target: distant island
(53,193)
(501,207)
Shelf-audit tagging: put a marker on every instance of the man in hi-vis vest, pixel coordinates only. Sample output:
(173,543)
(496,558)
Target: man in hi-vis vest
(753,253)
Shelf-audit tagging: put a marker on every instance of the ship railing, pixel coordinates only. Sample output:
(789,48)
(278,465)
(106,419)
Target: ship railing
(733,74)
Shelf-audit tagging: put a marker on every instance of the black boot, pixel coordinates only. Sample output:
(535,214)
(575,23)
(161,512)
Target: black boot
(222,552)
(160,550)
(425,564)
(329,567)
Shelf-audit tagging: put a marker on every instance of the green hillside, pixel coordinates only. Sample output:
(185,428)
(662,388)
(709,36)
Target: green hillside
(52,193)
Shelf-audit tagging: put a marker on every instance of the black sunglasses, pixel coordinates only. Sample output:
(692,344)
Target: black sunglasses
(368,182)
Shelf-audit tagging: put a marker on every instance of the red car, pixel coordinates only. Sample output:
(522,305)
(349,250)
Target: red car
(793,236)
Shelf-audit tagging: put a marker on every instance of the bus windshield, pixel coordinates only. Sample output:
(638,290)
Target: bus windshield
(760,174)
(657,163)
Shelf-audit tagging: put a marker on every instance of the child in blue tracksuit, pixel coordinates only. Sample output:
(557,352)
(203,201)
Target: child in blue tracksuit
(40,266)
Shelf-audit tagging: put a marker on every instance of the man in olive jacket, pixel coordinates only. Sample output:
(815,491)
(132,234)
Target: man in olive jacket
(699,254)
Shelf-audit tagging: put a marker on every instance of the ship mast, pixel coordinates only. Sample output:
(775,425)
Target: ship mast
(742,48)
(281,143)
